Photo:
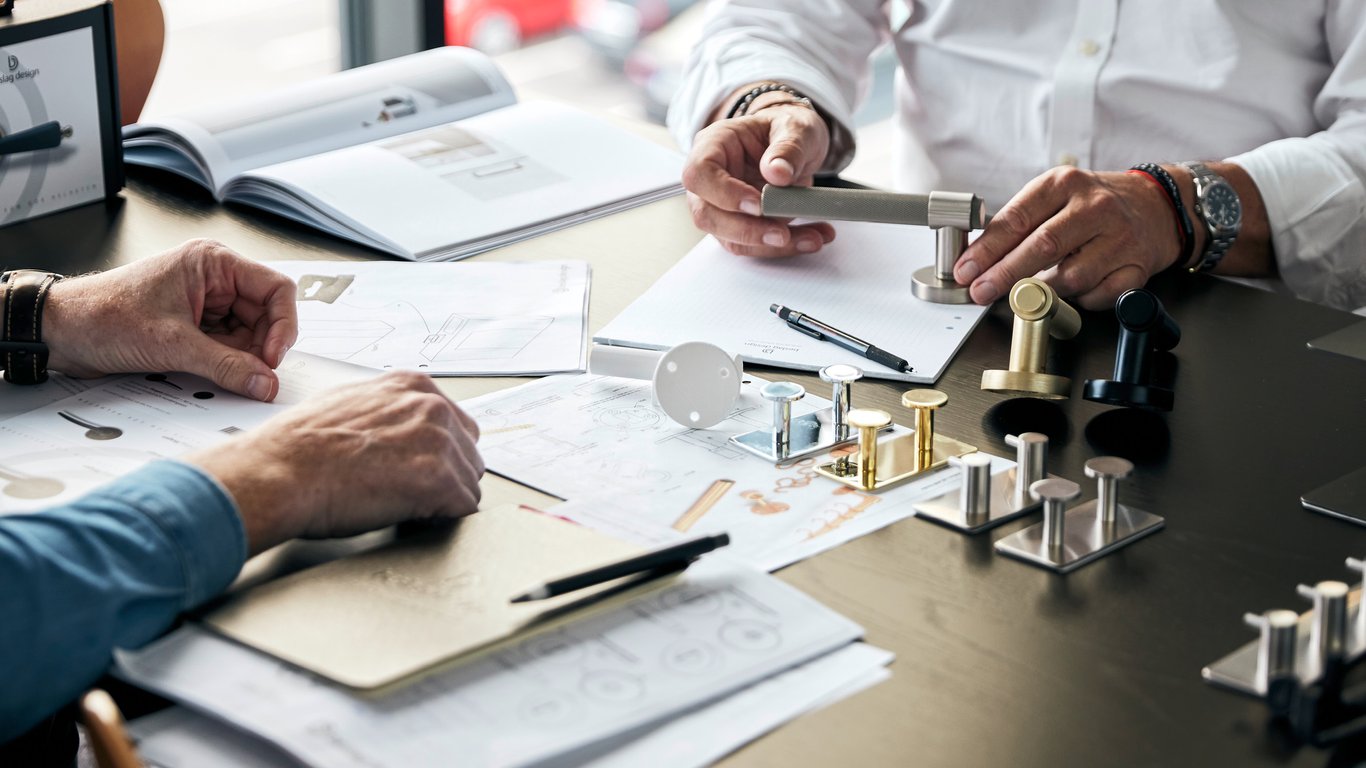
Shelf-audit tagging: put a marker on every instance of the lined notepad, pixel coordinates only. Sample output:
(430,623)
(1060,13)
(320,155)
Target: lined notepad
(860,284)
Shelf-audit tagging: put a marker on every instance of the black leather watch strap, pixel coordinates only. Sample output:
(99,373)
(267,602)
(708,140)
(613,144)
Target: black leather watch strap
(22,351)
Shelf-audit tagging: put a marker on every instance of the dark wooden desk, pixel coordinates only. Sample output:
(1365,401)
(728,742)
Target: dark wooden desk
(998,663)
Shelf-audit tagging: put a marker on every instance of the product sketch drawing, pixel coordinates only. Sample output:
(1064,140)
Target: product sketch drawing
(603,445)
(444,319)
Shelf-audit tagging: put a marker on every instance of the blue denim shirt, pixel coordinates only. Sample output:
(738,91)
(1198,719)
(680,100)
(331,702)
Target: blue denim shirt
(112,570)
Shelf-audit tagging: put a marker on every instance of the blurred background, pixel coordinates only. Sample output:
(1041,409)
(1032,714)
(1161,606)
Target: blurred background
(622,57)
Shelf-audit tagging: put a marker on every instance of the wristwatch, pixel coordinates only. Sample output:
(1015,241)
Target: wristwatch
(23,355)
(1218,206)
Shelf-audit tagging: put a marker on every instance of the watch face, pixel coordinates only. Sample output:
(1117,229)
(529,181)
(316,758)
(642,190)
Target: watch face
(1222,209)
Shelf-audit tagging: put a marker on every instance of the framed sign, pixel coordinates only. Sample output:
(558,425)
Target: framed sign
(60,143)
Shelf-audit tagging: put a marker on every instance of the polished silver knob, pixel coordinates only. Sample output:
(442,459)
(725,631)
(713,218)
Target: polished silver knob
(1328,633)
(1055,493)
(1108,471)
(1031,463)
(841,377)
(782,394)
(1359,566)
(975,498)
(1275,646)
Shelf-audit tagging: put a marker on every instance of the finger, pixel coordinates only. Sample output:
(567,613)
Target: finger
(1048,244)
(1037,202)
(261,295)
(1105,293)
(710,172)
(807,238)
(466,422)
(735,227)
(232,369)
(786,156)
(1083,270)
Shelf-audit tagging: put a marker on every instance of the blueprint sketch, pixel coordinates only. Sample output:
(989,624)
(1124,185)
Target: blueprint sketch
(445,319)
(627,469)
(718,630)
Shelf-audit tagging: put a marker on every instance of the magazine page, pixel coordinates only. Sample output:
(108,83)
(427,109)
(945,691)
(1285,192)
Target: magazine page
(452,190)
(385,99)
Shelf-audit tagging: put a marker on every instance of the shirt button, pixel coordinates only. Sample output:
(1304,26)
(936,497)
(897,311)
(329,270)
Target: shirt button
(1067,158)
(1089,48)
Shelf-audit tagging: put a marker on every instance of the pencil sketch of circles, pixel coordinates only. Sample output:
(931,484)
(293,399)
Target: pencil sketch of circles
(612,687)
(549,709)
(691,600)
(750,636)
(557,647)
(14,186)
(635,417)
(691,656)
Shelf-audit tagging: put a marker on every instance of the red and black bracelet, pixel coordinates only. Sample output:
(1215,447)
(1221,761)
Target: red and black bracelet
(1164,181)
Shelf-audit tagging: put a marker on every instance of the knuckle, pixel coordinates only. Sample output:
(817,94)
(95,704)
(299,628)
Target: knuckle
(1013,220)
(224,367)
(1047,244)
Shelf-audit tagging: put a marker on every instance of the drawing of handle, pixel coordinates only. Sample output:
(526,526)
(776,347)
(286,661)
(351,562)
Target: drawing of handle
(22,486)
(93,431)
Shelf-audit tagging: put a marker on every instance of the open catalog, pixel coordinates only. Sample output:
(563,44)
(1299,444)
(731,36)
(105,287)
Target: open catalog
(427,157)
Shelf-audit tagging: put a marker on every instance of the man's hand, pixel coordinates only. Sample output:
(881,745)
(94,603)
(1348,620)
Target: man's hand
(198,308)
(1090,235)
(730,162)
(362,457)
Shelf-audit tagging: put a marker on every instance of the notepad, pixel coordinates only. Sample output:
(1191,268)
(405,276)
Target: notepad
(860,284)
(374,618)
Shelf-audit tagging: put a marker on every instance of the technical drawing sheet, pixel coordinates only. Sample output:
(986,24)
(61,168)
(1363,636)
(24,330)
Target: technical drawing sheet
(629,470)
(860,284)
(445,319)
(67,447)
(720,629)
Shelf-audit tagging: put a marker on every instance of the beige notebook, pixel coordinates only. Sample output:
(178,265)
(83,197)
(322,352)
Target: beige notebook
(371,619)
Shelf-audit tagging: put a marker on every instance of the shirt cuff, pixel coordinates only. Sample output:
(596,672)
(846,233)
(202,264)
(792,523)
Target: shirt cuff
(1314,205)
(197,516)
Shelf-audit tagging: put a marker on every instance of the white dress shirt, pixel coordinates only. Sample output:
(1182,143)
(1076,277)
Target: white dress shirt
(990,94)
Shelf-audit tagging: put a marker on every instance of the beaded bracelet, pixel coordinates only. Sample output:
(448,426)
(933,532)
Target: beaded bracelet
(741,106)
(1183,220)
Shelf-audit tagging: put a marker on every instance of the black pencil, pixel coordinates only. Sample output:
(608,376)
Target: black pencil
(676,555)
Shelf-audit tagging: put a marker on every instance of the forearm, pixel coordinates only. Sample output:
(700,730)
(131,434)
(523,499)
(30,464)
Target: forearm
(111,570)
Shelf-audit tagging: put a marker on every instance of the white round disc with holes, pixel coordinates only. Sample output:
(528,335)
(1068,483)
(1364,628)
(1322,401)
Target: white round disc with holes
(697,384)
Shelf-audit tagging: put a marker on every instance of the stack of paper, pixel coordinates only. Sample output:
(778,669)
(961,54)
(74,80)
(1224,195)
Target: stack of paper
(541,695)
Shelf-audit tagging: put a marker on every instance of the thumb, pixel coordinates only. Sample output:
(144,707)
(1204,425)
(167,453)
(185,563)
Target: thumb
(232,369)
(784,156)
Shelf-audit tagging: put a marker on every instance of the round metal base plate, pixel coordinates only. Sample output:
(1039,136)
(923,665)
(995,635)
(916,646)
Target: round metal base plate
(1027,384)
(926,285)
(1112,392)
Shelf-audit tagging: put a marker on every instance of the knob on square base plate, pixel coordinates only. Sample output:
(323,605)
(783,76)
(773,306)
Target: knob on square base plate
(947,510)
(1238,671)
(1085,537)
(898,461)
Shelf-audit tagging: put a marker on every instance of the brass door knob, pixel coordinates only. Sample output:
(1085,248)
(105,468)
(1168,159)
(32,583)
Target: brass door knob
(924,402)
(1039,315)
(868,422)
